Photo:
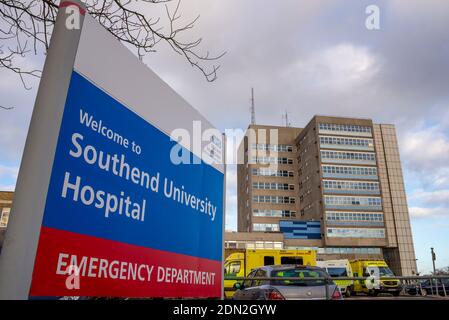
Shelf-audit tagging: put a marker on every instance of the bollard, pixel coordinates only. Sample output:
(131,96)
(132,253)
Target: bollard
(431,286)
(444,287)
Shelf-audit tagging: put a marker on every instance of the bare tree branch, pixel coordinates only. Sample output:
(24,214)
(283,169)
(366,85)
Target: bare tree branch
(26,27)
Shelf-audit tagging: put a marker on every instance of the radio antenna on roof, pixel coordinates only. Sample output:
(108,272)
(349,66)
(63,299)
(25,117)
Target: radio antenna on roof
(285,117)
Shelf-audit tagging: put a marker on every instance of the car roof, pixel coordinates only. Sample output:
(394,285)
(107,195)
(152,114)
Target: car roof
(289,266)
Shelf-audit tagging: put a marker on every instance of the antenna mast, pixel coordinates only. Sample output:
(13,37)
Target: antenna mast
(253,108)
(285,116)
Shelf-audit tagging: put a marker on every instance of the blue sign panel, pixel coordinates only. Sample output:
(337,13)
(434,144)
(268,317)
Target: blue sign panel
(300,229)
(114,187)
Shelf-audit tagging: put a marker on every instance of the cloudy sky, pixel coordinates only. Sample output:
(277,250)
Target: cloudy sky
(310,57)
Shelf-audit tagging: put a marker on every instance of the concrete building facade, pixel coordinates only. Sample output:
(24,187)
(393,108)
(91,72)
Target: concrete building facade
(266,177)
(6,198)
(345,192)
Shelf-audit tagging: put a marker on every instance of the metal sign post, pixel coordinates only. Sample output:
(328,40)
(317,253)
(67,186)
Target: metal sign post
(20,245)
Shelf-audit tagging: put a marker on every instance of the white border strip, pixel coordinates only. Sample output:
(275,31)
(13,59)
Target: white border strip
(111,66)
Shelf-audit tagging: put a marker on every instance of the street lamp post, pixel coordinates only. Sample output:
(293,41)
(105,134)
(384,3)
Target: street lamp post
(434,257)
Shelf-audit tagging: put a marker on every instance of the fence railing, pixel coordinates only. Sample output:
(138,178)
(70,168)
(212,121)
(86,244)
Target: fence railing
(435,283)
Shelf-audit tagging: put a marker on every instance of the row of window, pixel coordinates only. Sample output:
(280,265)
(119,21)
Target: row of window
(273,186)
(271,173)
(339,250)
(266,160)
(341,155)
(359,171)
(355,201)
(265,227)
(274,213)
(253,244)
(354,216)
(346,141)
(344,127)
(272,147)
(273,199)
(350,185)
(355,233)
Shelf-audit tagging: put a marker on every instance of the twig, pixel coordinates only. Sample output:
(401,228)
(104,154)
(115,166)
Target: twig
(24,21)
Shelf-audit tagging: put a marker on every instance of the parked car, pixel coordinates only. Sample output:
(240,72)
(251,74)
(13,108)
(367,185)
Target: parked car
(280,289)
(241,263)
(424,288)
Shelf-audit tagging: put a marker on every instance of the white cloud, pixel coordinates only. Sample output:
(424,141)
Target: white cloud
(441,177)
(431,198)
(425,154)
(419,212)
(429,203)
(8,176)
(7,187)
(427,148)
(340,67)
(8,172)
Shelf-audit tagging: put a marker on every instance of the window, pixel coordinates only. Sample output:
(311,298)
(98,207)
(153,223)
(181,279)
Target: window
(272,186)
(355,218)
(232,268)
(261,274)
(348,156)
(231,244)
(335,272)
(268,260)
(274,199)
(292,260)
(344,170)
(266,227)
(271,173)
(247,283)
(344,128)
(274,213)
(271,160)
(347,142)
(4,217)
(330,250)
(272,147)
(355,233)
(353,201)
(351,185)
(299,273)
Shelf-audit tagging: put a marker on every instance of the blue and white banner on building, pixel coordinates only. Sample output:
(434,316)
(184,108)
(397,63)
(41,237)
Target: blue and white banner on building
(300,229)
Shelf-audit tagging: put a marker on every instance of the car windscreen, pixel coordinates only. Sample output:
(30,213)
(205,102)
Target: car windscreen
(379,271)
(337,272)
(300,274)
(385,272)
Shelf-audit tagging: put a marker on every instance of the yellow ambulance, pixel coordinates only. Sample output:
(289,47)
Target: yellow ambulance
(339,269)
(379,278)
(240,264)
